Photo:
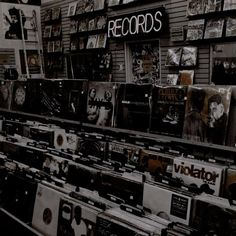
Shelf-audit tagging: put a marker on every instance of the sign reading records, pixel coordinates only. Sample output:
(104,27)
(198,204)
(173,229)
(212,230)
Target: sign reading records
(140,23)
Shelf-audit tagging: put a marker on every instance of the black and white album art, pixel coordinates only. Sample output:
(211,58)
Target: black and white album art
(75,219)
(18,101)
(12,27)
(5,94)
(133,108)
(168,108)
(101,103)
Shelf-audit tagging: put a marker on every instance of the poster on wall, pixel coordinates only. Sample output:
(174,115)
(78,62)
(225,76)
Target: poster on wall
(206,114)
(145,62)
(12,28)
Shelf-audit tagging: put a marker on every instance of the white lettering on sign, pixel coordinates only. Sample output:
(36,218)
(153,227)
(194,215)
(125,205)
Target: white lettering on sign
(134,25)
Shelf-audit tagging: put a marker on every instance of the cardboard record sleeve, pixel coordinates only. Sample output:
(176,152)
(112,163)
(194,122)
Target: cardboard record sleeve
(168,203)
(207,176)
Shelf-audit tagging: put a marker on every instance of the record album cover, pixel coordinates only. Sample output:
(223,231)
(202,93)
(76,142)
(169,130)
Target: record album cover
(214,216)
(5,94)
(19,96)
(99,5)
(52,97)
(230,27)
(92,41)
(195,29)
(168,109)
(186,77)
(173,57)
(207,176)
(230,185)
(214,28)
(212,5)
(172,79)
(76,218)
(155,163)
(101,103)
(124,153)
(189,56)
(74,99)
(56,13)
(195,7)
(133,106)
(229,5)
(206,115)
(111,3)
(46,210)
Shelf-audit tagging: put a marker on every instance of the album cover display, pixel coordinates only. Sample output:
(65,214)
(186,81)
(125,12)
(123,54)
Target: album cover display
(55,166)
(18,196)
(101,22)
(207,176)
(195,29)
(92,41)
(89,5)
(129,190)
(195,7)
(52,97)
(108,226)
(173,56)
(145,64)
(56,13)
(73,26)
(168,109)
(230,185)
(74,99)
(47,14)
(206,115)
(168,204)
(118,217)
(56,30)
(212,5)
(19,95)
(189,56)
(111,3)
(57,46)
(230,27)
(155,163)
(186,77)
(123,153)
(172,79)
(5,94)
(91,146)
(83,176)
(74,44)
(101,40)
(214,215)
(72,8)
(76,218)
(99,5)
(33,61)
(101,103)
(92,24)
(46,210)
(214,28)
(229,5)
(133,106)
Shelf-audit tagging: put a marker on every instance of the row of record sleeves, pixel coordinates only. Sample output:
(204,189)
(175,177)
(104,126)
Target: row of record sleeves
(198,113)
(74,194)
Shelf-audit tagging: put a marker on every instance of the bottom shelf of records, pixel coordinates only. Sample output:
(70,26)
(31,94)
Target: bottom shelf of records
(59,182)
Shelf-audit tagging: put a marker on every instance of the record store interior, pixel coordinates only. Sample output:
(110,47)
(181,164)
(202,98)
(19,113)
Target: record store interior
(118,117)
